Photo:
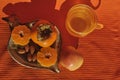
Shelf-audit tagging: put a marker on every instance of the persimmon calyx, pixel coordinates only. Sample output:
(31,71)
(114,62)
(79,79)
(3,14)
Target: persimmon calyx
(43,32)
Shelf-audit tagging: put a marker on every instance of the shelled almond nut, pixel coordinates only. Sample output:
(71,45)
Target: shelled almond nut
(32,49)
(34,57)
(27,48)
(21,51)
(29,57)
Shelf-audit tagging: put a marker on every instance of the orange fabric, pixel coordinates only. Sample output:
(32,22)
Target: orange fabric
(100,49)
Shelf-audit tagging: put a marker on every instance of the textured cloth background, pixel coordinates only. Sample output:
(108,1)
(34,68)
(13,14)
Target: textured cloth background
(100,49)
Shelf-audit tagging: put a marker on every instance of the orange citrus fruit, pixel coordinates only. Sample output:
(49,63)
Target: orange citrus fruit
(47,56)
(21,35)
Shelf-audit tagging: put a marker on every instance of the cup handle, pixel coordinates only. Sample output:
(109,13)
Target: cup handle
(97,6)
(99,26)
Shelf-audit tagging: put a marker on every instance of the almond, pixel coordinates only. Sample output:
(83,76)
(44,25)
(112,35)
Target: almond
(32,49)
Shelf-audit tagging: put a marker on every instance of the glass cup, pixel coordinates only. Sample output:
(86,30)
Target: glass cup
(81,20)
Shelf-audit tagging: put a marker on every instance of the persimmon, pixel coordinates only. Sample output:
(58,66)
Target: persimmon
(21,35)
(47,56)
(43,33)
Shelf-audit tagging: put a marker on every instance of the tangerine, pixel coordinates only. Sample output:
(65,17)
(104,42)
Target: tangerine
(21,35)
(47,56)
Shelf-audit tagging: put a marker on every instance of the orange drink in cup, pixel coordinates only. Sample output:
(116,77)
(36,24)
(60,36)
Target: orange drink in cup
(81,20)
